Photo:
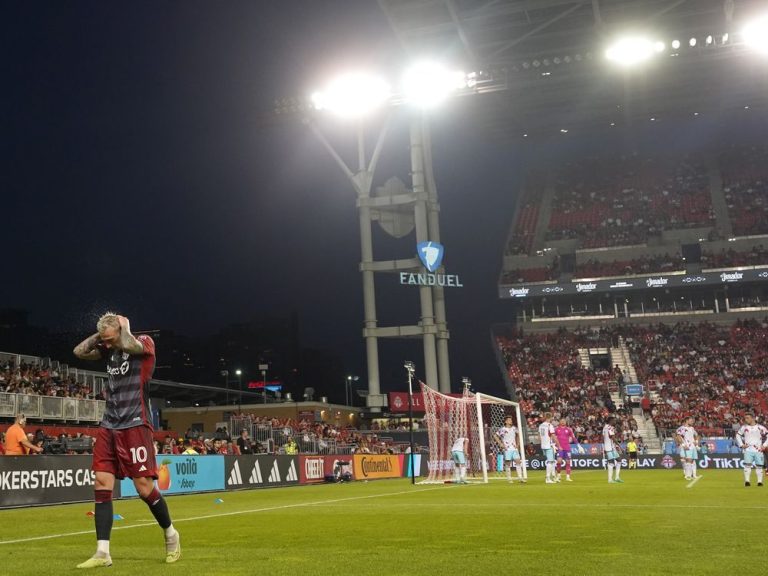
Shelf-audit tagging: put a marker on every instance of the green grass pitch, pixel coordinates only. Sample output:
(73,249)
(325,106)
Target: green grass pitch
(651,524)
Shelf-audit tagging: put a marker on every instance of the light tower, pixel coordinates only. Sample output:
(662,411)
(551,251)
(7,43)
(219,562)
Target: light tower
(398,209)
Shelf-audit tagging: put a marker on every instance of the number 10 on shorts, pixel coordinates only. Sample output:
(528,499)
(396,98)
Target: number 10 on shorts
(139,454)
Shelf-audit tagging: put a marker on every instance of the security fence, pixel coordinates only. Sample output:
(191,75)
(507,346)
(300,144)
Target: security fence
(51,407)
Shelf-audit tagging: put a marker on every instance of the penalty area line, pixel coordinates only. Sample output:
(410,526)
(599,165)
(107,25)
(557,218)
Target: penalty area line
(692,482)
(223,514)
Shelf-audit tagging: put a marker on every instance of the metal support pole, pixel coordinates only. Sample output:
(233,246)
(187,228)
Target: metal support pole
(438,292)
(422,235)
(410,368)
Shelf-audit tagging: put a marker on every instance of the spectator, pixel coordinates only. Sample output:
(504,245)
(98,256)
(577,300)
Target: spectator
(244,443)
(16,441)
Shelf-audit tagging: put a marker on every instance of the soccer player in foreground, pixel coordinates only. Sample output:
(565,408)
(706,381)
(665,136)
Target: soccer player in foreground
(459,456)
(687,440)
(611,450)
(506,439)
(752,438)
(548,445)
(565,437)
(124,446)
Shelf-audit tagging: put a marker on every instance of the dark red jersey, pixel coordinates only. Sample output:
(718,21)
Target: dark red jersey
(127,391)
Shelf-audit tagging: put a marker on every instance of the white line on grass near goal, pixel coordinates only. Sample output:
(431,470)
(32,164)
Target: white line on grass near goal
(221,514)
(692,482)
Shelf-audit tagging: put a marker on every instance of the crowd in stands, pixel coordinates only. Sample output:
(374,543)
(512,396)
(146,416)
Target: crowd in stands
(625,201)
(282,436)
(548,376)
(26,378)
(524,229)
(756,256)
(711,372)
(745,186)
(644,265)
(525,275)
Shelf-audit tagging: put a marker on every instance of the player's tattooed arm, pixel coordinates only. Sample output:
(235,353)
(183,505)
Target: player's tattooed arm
(128,342)
(87,349)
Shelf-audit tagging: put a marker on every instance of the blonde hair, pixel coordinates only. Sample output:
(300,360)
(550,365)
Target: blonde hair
(107,320)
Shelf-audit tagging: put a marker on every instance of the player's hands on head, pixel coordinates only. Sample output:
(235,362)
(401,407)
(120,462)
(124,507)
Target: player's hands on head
(124,324)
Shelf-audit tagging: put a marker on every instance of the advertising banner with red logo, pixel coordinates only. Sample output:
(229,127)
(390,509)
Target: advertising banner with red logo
(398,401)
(315,469)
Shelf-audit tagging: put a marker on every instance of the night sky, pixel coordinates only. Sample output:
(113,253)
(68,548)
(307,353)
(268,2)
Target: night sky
(143,171)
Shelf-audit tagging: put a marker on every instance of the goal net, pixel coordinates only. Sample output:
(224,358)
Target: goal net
(476,417)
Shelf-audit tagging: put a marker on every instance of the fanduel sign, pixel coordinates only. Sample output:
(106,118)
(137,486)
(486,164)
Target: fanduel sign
(431,256)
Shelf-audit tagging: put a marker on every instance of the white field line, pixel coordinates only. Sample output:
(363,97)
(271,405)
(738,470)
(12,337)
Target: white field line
(692,482)
(222,514)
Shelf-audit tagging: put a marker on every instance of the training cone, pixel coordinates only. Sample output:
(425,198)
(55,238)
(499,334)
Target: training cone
(118,517)
(218,501)
(90,513)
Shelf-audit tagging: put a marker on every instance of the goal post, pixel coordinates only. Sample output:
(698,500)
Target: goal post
(476,417)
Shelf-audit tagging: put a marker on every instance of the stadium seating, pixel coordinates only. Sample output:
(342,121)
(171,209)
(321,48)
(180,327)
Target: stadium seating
(711,372)
(644,265)
(745,186)
(624,201)
(731,258)
(32,379)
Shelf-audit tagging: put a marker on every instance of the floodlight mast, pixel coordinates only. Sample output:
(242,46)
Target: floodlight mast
(432,327)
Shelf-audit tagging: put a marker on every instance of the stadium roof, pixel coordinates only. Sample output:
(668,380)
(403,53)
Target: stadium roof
(547,57)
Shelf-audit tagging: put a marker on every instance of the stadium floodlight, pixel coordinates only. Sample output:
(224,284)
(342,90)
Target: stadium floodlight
(675,44)
(755,34)
(352,95)
(427,84)
(631,50)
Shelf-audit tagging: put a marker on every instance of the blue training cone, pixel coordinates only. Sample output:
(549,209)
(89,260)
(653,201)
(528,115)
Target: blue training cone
(118,517)
(218,501)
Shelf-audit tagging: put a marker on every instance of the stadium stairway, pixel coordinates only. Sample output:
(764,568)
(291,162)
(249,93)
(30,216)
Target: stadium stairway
(719,205)
(620,356)
(584,357)
(647,430)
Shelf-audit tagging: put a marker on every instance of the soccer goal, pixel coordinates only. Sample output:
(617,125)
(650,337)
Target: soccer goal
(473,416)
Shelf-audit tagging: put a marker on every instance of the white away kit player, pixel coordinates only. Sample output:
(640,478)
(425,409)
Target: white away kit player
(688,440)
(548,445)
(752,438)
(459,455)
(611,449)
(506,439)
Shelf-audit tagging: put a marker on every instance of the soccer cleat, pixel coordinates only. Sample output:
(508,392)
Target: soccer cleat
(688,478)
(619,480)
(568,479)
(548,481)
(747,484)
(611,481)
(97,562)
(759,483)
(172,548)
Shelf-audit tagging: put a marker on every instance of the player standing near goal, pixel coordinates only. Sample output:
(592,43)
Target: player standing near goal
(752,438)
(611,450)
(506,439)
(687,440)
(548,445)
(459,455)
(565,437)
(124,446)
